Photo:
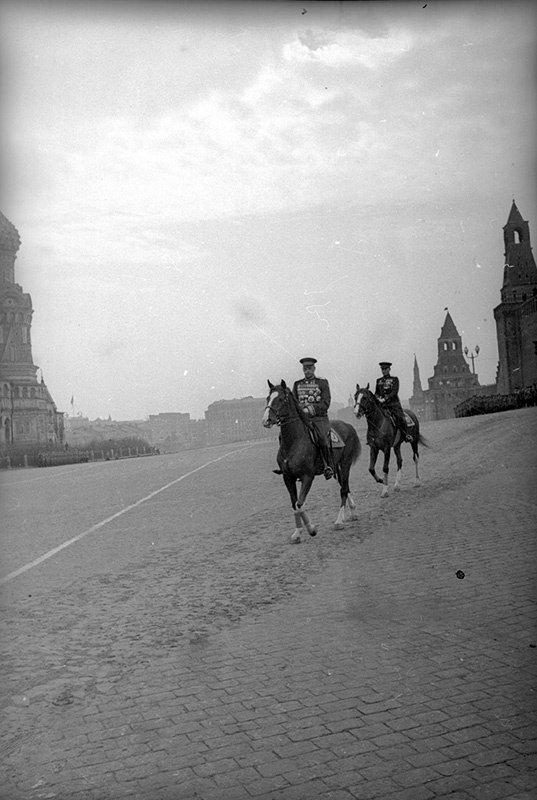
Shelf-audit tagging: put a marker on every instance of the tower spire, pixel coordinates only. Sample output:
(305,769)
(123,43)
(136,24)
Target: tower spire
(417,387)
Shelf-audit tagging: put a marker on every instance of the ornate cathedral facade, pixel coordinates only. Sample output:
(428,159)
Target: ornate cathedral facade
(28,414)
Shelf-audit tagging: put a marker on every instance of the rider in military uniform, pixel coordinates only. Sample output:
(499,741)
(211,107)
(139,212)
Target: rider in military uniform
(387,391)
(313,396)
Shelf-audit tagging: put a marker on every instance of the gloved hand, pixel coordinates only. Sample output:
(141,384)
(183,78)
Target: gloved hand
(309,410)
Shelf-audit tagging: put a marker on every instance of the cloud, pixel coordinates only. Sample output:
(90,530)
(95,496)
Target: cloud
(340,48)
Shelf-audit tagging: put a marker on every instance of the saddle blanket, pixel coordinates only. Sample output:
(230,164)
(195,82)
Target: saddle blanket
(335,439)
(408,419)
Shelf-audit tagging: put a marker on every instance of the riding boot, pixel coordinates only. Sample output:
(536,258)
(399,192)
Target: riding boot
(404,431)
(325,455)
(401,423)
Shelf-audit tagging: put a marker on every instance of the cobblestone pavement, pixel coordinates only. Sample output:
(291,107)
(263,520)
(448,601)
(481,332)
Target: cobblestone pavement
(394,660)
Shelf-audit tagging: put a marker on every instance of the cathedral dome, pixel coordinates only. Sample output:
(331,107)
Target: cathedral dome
(9,235)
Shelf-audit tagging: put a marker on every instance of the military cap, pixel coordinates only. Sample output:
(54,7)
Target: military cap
(385,364)
(308,360)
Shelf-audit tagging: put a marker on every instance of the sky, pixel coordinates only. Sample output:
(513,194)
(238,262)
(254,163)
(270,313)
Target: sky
(207,192)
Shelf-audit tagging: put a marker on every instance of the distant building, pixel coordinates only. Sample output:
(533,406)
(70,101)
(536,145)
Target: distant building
(452,381)
(516,315)
(170,429)
(28,414)
(236,421)
(81,431)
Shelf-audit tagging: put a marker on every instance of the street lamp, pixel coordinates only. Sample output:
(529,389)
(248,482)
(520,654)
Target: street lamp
(472,355)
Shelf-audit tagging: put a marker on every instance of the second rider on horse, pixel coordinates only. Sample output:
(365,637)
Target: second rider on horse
(313,396)
(387,392)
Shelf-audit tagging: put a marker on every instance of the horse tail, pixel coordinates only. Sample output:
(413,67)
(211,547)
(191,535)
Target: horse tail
(423,441)
(356,446)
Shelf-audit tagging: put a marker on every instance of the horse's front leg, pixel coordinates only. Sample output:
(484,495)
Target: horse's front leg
(373,453)
(290,482)
(385,471)
(307,481)
(399,459)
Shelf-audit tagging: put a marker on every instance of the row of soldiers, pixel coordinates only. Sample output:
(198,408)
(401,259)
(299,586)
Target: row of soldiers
(489,404)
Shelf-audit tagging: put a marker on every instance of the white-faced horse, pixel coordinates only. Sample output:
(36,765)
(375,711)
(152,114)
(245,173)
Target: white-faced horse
(383,435)
(298,456)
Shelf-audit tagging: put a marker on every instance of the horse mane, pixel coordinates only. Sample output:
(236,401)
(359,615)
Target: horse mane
(303,416)
(376,400)
(372,395)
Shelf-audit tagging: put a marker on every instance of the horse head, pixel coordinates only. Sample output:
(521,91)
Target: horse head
(277,403)
(361,400)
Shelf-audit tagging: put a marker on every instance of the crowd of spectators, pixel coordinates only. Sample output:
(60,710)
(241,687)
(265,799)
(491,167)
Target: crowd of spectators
(489,404)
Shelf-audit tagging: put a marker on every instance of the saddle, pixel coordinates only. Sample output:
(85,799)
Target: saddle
(393,419)
(395,422)
(335,442)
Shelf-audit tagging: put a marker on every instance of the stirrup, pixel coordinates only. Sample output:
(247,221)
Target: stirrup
(328,473)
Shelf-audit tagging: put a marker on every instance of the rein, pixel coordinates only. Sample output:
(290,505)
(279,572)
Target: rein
(290,419)
(372,404)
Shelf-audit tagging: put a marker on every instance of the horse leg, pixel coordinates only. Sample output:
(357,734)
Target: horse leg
(385,470)
(346,497)
(416,457)
(296,537)
(399,459)
(307,481)
(291,488)
(372,461)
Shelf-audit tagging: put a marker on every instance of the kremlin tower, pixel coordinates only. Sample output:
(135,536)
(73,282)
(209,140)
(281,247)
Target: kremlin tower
(516,315)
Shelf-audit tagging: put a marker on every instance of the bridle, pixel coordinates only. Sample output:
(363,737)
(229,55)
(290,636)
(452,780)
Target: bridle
(277,418)
(359,408)
(287,399)
(367,402)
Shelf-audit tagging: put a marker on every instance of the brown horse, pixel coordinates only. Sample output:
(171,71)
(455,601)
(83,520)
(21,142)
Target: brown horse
(383,434)
(298,456)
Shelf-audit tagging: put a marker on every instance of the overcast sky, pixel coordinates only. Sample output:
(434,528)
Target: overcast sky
(206,193)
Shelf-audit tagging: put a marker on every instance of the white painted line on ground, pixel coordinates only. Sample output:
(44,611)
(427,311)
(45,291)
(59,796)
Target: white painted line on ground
(104,522)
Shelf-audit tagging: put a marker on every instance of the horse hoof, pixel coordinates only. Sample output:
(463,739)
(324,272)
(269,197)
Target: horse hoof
(339,526)
(397,488)
(296,541)
(385,494)
(417,483)
(313,532)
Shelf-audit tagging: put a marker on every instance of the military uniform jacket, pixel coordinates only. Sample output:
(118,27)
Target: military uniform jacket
(388,387)
(313,392)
